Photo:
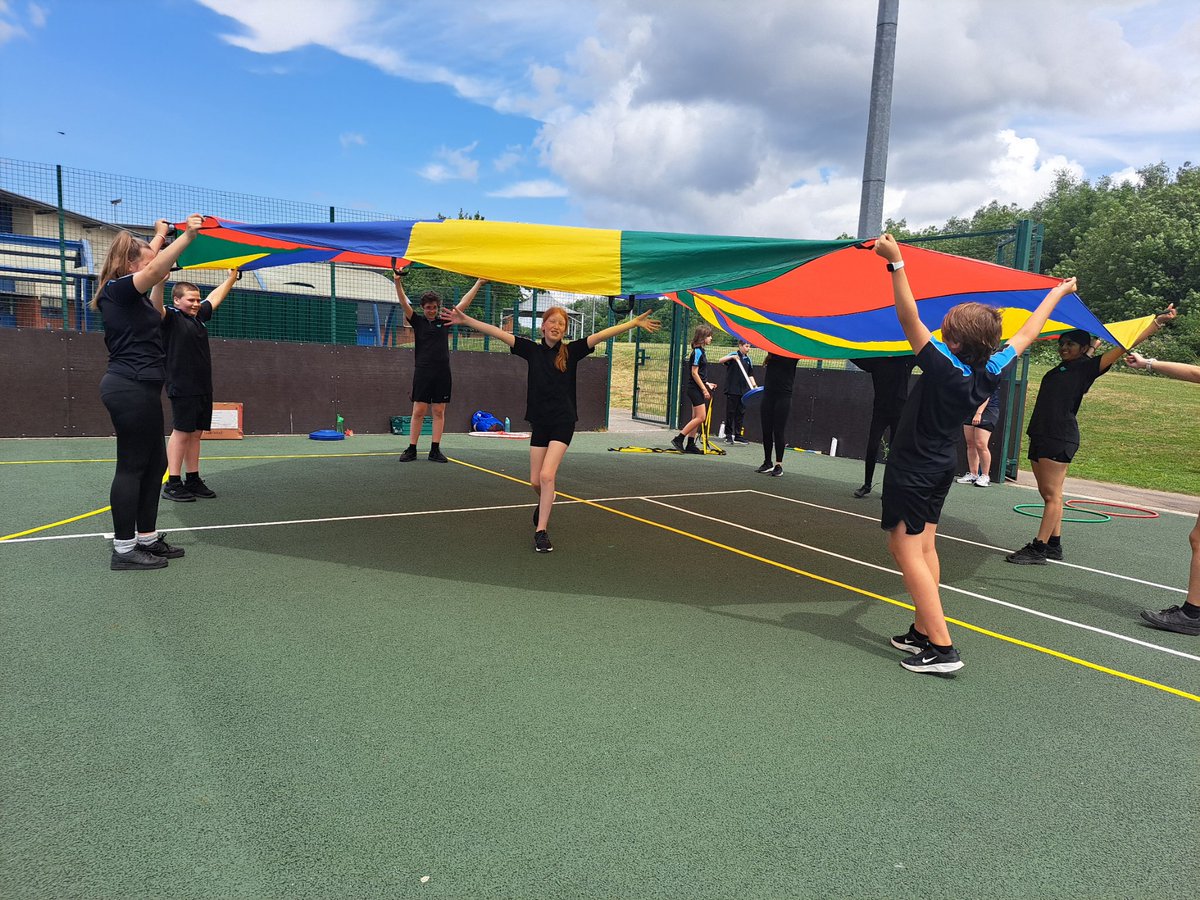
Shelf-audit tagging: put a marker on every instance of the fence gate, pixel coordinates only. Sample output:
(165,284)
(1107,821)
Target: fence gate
(656,372)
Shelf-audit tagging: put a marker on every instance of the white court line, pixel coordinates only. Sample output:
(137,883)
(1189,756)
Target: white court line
(395,515)
(945,587)
(961,540)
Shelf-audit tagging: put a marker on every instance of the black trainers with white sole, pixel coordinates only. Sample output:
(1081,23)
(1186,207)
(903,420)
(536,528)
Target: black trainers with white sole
(177,492)
(932,662)
(541,542)
(765,468)
(912,641)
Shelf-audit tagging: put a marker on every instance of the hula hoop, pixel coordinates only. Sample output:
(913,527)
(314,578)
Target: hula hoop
(1100,517)
(1079,504)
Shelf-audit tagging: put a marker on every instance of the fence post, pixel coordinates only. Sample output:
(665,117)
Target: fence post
(487,314)
(608,350)
(62,252)
(332,293)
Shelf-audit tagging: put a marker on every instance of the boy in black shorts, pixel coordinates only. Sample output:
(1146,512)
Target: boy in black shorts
(189,385)
(957,376)
(431,367)
(739,378)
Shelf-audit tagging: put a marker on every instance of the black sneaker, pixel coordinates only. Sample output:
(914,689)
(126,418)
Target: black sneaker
(177,492)
(692,448)
(1054,551)
(741,441)
(197,487)
(862,491)
(912,641)
(136,558)
(777,471)
(1173,618)
(932,662)
(765,468)
(677,442)
(437,455)
(729,440)
(162,549)
(409,454)
(1029,555)
(541,542)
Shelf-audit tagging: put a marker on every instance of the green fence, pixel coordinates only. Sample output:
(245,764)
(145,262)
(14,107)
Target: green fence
(56,224)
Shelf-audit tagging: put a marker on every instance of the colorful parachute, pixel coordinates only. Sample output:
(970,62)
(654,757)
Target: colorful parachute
(823,299)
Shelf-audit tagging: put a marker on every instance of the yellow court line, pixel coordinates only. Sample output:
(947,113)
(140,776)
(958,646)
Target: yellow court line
(46,462)
(857,590)
(87,515)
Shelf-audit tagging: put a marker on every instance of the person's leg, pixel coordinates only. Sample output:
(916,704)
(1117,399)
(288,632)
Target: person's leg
(1185,618)
(191,452)
(983,450)
(767,418)
(420,410)
(152,448)
(874,436)
(783,407)
(176,453)
(543,472)
(1050,476)
(731,408)
(693,425)
(439,421)
(1193,594)
(969,438)
(916,556)
(739,418)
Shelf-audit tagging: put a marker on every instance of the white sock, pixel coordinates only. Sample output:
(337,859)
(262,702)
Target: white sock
(146,540)
(124,546)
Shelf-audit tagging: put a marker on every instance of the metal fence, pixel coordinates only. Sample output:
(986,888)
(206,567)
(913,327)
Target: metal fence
(56,225)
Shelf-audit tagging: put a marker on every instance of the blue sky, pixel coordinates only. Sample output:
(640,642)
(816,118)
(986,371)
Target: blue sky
(704,115)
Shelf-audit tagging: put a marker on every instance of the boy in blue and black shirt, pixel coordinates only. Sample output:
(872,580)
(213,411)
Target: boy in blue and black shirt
(739,378)
(958,374)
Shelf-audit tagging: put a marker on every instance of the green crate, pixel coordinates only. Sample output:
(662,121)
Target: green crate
(403,424)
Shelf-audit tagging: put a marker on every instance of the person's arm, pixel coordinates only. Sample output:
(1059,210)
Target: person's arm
(914,329)
(978,417)
(456,316)
(157,270)
(1033,326)
(156,298)
(398,280)
(222,290)
(728,356)
(642,321)
(1181,371)
(469,297)
(161,229)
(1150,330)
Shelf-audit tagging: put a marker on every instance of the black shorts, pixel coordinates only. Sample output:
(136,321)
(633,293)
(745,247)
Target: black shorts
(695,395)
(914,498)
(545,432)
(431,386)
(192,413)
(985,425)
(1053,449)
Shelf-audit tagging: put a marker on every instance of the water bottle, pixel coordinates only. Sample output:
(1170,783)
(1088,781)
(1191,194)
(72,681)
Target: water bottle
(507,428)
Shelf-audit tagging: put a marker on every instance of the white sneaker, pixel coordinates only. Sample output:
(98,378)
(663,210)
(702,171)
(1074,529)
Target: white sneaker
(969,478)
(982,481)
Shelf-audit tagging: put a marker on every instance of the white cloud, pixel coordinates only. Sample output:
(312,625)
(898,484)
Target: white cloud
(700,116)
(37,15)
(351,139)
(452,165)
(531,189)
(509,158)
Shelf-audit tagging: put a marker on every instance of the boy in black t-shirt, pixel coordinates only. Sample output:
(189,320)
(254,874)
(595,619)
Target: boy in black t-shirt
(957,376)
(431,363)
(189,385)
(739,378)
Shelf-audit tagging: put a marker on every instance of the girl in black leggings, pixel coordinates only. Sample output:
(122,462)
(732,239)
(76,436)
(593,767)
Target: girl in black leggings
(779,377)
(130,302)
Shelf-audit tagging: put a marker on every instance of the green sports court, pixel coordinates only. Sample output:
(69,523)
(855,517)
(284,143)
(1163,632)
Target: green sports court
(361,681)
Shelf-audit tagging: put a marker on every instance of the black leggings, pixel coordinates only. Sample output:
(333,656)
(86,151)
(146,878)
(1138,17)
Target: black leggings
(880,422)
(733,415)
(136,411)
(775,410)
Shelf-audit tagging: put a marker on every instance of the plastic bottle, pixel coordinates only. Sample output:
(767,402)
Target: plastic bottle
(341,424)
(507,427)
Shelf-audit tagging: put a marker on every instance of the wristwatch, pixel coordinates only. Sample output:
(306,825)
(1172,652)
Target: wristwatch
(892,267)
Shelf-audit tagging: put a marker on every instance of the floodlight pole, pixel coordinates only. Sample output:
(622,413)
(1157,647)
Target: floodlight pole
(879,121)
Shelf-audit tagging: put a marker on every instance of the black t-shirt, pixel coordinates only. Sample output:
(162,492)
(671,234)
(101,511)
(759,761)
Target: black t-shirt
(431,340)
(737,383)
(779,374)
(1059,397)
(132,331)
(889,380)
(550,397)
(189,365)
(946,395)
